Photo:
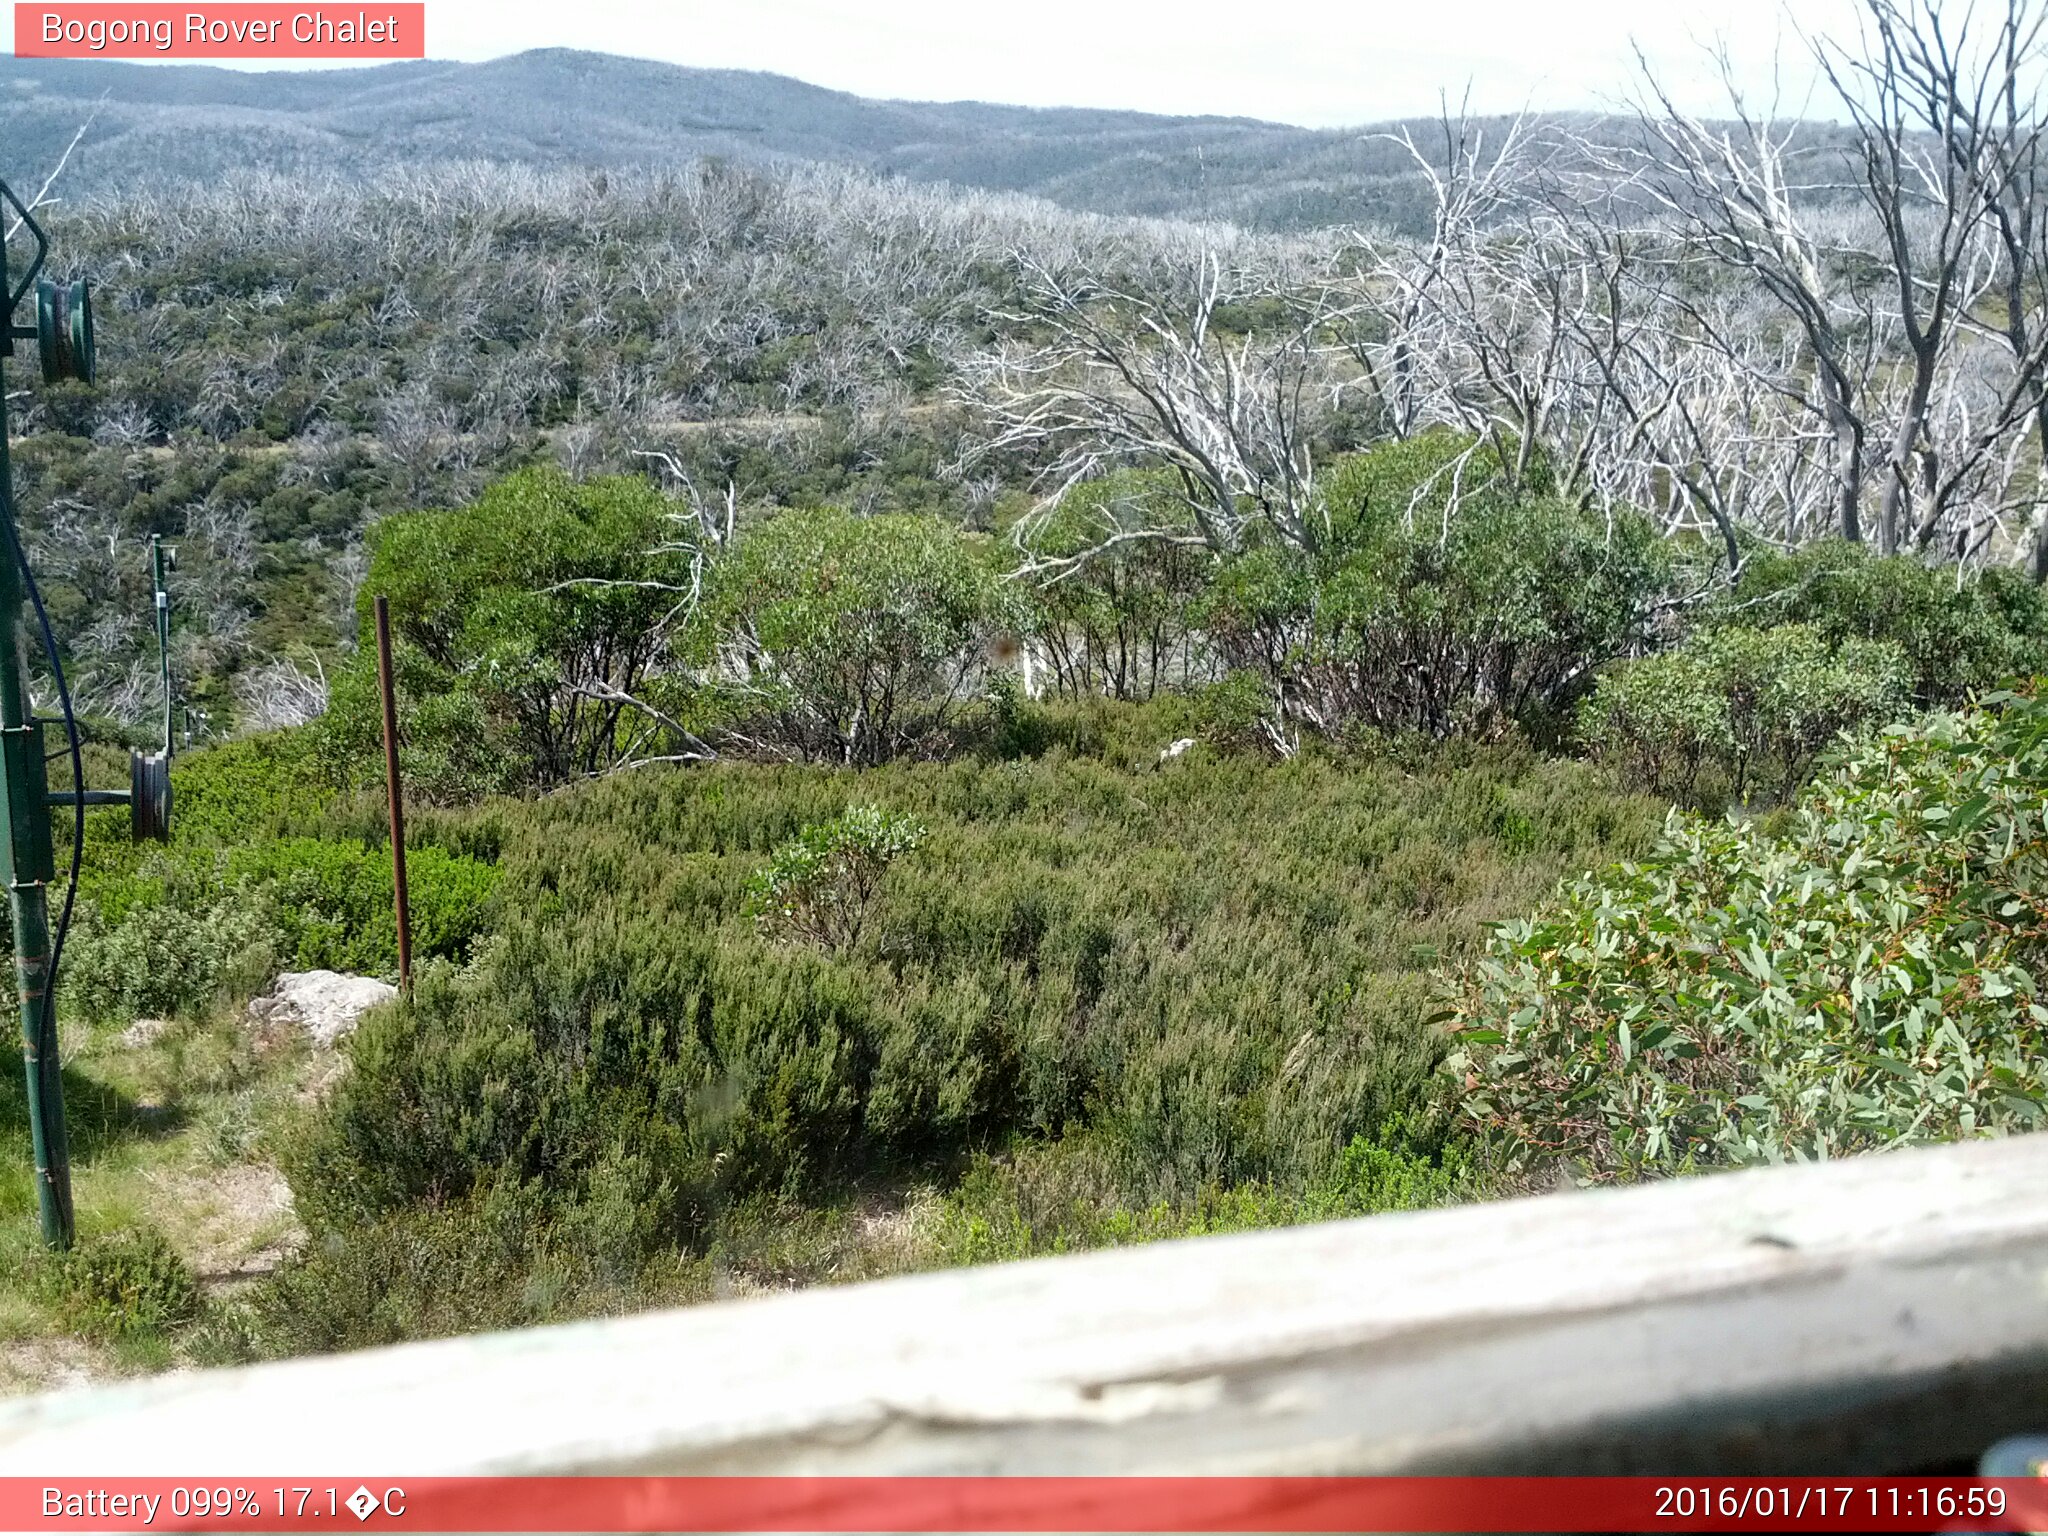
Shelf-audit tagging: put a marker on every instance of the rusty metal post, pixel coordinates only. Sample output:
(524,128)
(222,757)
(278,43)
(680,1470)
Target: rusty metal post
(396,793)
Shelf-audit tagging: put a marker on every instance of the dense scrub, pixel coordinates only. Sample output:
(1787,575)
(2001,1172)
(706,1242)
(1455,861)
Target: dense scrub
(1866,974)
(1042,1003)
(686,1028)
(1176,995)
(557,629)
(1752,707)
(911,946)
(271,868)
(1960,632)
(1428,609)
(1771,668)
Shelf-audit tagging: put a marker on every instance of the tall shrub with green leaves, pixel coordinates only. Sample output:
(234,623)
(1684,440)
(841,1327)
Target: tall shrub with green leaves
(1960,631)
(531,628)
(1117,568)
(1758,705)
(1868,977)
(1445,599)
(841,638)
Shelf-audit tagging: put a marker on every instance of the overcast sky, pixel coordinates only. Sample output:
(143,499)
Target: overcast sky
(1315,62)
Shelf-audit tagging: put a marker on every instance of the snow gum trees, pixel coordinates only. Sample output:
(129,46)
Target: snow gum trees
(1759,331)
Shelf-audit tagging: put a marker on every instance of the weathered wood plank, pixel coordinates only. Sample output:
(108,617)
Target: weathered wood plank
(1886,1313)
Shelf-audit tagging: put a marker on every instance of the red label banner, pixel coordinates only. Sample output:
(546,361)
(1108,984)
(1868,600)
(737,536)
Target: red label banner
(1025,1504)
(227,31)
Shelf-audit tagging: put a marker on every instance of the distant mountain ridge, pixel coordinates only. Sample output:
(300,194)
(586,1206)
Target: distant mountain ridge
(561,107)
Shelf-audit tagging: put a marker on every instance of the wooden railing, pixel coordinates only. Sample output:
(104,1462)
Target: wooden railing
(1882,1314)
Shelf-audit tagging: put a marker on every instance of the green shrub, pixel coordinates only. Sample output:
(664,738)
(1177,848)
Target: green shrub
(522,623)
(1215,972)
(1385,1173)
(487,1261)
(1066,1196)
(330,902)
(839,638)
(251,787)
(183,925)
(1236,712)
(454,746)
(820,884)
(1016,725)
(1757,704)
(722,1068)
(1119,572)
(1421,615)
(129,1283)
(1867,977)
(164,945)
(1961,632)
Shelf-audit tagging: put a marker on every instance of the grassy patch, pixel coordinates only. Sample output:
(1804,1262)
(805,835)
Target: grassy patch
(174,1197)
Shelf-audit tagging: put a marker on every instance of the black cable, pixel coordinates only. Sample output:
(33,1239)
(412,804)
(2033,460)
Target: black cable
(35,597)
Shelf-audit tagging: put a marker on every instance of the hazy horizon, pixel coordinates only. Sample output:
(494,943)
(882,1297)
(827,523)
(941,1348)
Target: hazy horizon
(1310,64)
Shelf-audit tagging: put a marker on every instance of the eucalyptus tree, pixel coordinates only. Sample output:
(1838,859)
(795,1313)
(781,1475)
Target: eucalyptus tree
(1739,193)
(1209,362)
(1936,157)
(1882,253)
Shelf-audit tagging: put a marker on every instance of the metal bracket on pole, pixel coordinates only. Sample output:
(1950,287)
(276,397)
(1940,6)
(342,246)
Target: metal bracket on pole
(26,857)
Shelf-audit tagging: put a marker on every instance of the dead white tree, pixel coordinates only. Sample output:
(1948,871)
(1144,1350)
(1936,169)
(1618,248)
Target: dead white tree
(1993,138)
(1160,372)
(1937,225)
(279,692)
(1742,194)
(1409,296)
(1920,96)
(42,198)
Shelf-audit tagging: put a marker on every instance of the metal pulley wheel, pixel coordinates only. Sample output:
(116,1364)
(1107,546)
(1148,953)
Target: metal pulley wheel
(64,330)
(149,797)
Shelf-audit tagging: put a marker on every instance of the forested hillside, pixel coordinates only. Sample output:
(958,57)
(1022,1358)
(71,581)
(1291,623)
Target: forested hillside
(283,365)
(940,727)
(561,109)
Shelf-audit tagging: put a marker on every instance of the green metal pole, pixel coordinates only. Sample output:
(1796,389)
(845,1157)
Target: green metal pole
(30,866)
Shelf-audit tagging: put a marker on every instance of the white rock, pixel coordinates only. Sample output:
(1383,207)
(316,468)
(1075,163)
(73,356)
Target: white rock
(142,1032)
(326,1004)
(1176,749)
